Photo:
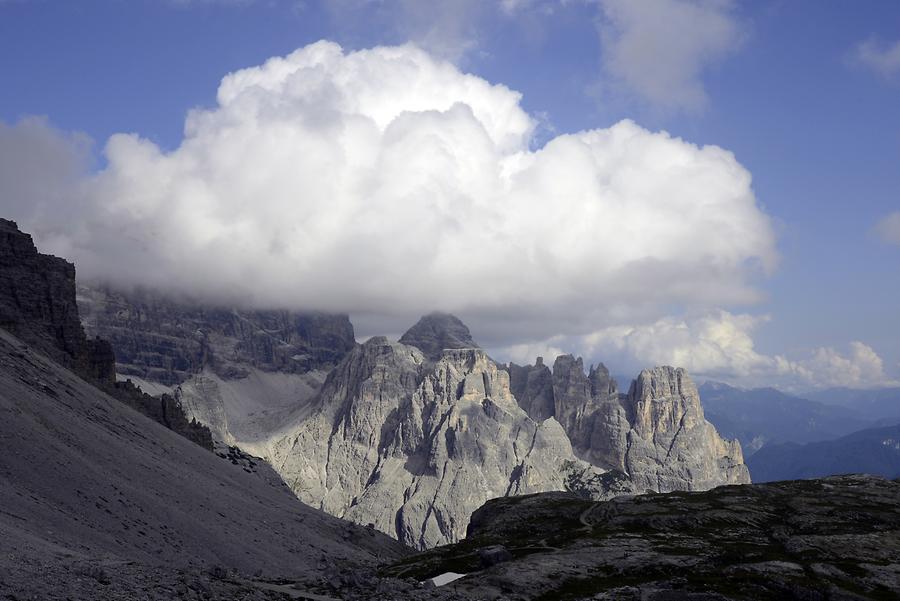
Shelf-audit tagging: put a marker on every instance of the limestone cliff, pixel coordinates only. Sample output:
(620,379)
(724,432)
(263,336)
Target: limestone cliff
(414,447)
(656,433)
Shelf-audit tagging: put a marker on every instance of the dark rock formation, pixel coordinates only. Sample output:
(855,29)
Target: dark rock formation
(532,385)
(99,502)
(37,305)
(835,538)
(438,331)
(164,409)
(166,341)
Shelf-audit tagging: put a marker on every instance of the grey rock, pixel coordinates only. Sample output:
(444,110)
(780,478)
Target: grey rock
(532,385)
(38,304)
(100,502)
(167,341)
(491,556)
(438,331)
(656,434)
(834,538)
(413,447)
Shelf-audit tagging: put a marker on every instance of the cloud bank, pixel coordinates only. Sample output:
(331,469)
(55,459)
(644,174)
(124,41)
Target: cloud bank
(386,182)
(716,345)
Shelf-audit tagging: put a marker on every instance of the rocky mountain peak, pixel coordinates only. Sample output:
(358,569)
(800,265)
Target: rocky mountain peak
(37,305)
(438,331)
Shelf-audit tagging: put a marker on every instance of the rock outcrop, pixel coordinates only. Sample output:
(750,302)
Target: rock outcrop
(99,502)
(413,447)
(160,340)
(438,331)
(656,433)
(38,306)
(835,538)
(532,385)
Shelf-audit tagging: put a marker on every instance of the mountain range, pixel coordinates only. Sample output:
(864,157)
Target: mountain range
(107,492)
(410,436)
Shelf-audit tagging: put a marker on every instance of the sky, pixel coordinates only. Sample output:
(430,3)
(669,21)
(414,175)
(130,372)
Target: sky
(707,183)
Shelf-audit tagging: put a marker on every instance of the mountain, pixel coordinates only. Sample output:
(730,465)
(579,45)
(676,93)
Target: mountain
(98,500)
(438,331)
(762,416)
(656,433)
(410,436)
(38,305)
(881,404)
(871,451)
(237,371)
(414,445)
(835,538)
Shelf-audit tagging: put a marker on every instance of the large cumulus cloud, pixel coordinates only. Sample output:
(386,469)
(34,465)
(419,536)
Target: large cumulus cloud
(386,183)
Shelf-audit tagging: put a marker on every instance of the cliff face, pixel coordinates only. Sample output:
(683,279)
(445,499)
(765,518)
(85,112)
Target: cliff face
(164,341)
(414,447)
(656,433)
(37,305)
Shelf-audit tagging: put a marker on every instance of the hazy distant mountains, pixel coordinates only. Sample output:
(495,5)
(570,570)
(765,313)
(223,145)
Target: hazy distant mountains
(878,404)
(787,437)
(871,451)
(762,416)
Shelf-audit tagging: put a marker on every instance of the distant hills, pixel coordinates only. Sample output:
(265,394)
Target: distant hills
(870,451)
(879,404)
(762,416)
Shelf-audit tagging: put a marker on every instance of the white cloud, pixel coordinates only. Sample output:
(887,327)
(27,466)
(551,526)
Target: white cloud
(449,29)
(388,183)
(882,58)
(888,228)
(717,345)
(659,49)
(41,170)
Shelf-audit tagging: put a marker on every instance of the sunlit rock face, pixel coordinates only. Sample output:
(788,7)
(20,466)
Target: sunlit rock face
(656,433)
(414,447)
(413,436)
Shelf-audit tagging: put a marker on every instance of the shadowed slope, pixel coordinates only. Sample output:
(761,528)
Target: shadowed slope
(86,481)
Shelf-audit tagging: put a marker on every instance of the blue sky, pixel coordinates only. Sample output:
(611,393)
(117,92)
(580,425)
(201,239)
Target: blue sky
(804,93)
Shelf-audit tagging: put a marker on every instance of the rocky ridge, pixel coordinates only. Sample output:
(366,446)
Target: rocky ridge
(656,433)
(165,341)
(413,447)
(38,306)
(834,538)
